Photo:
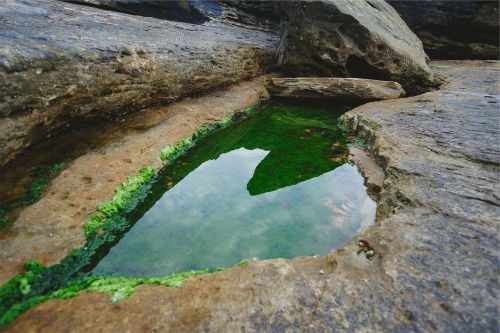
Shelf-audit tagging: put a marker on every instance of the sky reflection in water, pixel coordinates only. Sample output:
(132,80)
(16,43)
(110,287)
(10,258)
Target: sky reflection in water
(218,213)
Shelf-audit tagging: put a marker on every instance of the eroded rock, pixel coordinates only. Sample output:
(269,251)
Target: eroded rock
(335,88)
(453,29)
(355,39)
(61,63)
(435,241)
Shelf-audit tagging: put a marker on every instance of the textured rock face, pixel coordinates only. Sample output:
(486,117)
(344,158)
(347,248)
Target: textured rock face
(255,15)
(436,262)
(453,29)
(335,88)
(48,229)
(61,63)
(353,38)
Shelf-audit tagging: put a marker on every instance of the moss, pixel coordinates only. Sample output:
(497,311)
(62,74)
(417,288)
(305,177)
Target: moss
(104,228)
(122,287)
(124,196)
(93,224)
(173,151)
(243,262)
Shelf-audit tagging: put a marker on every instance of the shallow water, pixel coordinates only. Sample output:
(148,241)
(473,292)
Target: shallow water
(276,185)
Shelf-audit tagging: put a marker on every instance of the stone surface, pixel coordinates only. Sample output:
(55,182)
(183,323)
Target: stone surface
(249,14)
(61,63)
(436,240)
(373,174)
(355,39)
(47,230)
(335,88)
(453,29)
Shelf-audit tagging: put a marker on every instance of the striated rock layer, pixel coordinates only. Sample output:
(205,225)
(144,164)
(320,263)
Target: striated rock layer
(355,39)
(436,262)
(61,63)
(335,88)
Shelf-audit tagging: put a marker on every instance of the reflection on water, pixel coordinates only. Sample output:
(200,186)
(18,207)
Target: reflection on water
(275,185)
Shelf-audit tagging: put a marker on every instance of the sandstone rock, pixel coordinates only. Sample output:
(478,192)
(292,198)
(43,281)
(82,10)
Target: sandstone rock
(335,88)
(175,10)
(355,39)
(453,29)
(62,63)
(250,14)
(435,239)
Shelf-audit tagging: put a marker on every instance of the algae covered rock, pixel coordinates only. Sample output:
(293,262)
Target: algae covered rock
(353,38)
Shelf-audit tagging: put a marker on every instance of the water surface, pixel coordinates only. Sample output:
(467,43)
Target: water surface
(276,185)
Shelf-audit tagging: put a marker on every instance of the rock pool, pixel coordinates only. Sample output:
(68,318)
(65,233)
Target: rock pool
(275,185)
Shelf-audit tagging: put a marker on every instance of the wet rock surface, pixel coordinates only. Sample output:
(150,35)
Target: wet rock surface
(436,245)
(61,63)
(355,39)
(48,229)
(453,29)
(335,88)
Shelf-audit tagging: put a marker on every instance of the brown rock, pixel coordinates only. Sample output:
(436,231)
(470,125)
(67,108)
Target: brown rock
(336,88)
(62,63)
(90,179)
(435,239)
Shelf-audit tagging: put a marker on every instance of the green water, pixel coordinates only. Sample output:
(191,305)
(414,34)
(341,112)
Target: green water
(276,185)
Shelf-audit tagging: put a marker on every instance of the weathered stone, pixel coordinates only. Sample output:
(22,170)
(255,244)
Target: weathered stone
(335,88)
(353,39)
(249,14)
(436,244)
(373,174)
(62,63)
(174,10)
(453,29)
(48,229)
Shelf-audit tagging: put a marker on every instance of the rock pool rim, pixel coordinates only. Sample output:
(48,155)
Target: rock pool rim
(40,283)
(26,290)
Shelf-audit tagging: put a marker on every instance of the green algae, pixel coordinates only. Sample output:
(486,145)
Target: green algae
(115,217)
(285,153)
(33,191)
(173,151)
(119,288)
(103,229)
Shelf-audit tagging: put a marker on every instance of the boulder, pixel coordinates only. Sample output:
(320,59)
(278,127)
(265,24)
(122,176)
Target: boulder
(453,29)
(335,88)
(352,39)
(64,63)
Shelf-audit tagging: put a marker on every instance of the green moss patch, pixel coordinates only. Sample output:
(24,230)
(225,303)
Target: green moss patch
(119,288)
(104,228)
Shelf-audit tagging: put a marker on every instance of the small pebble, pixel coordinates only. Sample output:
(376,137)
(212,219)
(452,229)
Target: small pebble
(321,272)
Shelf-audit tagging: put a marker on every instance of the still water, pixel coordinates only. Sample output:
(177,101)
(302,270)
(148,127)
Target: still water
(276,185)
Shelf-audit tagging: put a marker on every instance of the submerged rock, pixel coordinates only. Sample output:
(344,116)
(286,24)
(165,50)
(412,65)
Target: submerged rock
(353,38)
(453,29)
(337,88)
(62,63)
